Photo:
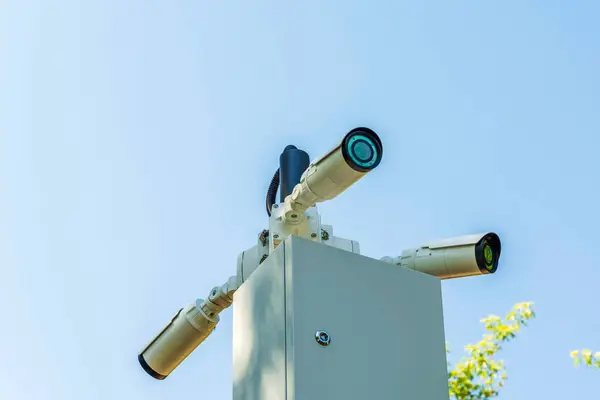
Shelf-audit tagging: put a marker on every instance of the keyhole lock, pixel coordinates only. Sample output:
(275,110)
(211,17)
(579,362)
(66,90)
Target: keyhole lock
(323,338)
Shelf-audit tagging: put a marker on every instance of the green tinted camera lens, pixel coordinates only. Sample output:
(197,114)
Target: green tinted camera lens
(487,253)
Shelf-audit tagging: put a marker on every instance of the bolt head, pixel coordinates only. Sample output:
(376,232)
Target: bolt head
(323,338)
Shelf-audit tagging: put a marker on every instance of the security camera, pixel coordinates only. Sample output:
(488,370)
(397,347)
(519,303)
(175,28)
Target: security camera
(359,153)
(186,331)
(304,184)
(453,258)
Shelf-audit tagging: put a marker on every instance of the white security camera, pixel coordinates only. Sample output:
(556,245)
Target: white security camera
(359,153)
(453,258)
(186,331)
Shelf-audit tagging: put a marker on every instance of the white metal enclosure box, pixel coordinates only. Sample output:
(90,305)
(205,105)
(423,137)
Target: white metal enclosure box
(385,325)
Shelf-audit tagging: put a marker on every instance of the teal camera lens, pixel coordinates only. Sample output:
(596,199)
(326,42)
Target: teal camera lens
(362,149)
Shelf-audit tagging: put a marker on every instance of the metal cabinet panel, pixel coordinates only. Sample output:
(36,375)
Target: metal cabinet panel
(385,324)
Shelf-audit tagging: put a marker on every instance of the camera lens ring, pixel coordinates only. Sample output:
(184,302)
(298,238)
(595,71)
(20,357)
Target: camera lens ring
(362,149)
(487,253)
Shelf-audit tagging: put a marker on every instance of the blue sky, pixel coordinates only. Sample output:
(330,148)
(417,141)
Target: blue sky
(137,140)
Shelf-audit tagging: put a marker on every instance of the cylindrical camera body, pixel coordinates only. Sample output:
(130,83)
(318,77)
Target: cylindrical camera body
(359,153)
(455,258)
(186,331)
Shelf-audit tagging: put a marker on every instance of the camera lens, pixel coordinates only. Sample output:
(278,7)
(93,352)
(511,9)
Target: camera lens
(488,256)
(487,253)
(362,149)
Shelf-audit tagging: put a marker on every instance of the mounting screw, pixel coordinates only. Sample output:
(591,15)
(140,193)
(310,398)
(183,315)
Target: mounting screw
(294,216)
(323,338)
(275,236)
(275,205)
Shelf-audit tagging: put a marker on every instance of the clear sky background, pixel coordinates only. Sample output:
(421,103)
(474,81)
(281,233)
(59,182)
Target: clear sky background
(138,138)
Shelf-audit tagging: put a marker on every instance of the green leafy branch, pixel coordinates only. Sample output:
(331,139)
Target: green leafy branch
(478,376)
(585,357)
